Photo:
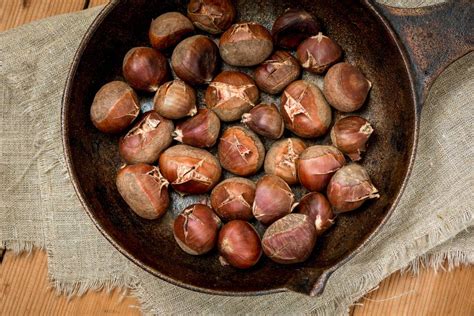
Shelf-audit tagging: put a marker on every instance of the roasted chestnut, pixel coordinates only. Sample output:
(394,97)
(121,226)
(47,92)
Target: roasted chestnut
(317,53)
(277,72)
(213,16)
(145,68)
(195,229)
(233,198)
(317,164)
(293,26)
(245,44)
(201,130)
(239,245)
(147,139)
(144,189)
(318,209)
(240,151)
(304,110)
(350,187)
(175,99)
(290,239)
(194,60)
(169,29)
(273,199)
(345,87)
(281,159)
(190,170)
(231,94)
(265,120)
(350,135)
(115,107)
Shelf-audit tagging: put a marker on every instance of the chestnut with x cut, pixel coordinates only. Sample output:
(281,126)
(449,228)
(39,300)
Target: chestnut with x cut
(281,159)
(213,16)
(233,198)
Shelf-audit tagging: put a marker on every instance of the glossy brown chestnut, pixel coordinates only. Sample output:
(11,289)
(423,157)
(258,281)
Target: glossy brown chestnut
(304,110)
(318,209)
(201,130)
(169,29)
(195,59)
(273,199)
(345,87)
(245,44)
(240,151)
(231,94)
(317,53)
(147,139)
(281,159)
(175,99)
(145,68)
(350,135)
(195,229)
(317,164)
(265,120)
(290,239)
(277,72)
(239,245)
(115,107)
(144,189)
(213,16)
(190,170)
(350,187)
(292,27)
(233,198)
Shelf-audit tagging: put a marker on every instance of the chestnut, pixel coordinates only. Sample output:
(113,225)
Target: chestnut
(350,187)
(239,245)
(245,44)
(345,87)
(169,29)
(273,199)
(115,107)
(201,130)
(175,99)
(281,159)
(233,198)
(190,170)
(240,151)
(293,26)
(231,94)
(304,110)
(317,53)
(145,68)
(290,239)
(265,120)
(147,139)
(277,72)
(144,189)
(194,60)
(317,164)
(213,16)
(318,209)
(350,135)
(195,229)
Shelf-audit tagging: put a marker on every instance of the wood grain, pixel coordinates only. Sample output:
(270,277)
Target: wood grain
(24,289)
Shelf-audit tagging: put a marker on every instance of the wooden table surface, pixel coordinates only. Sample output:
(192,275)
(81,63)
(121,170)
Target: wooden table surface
(24,289)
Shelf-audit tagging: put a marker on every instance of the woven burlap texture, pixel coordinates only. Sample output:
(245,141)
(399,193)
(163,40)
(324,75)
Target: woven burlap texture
(38,205)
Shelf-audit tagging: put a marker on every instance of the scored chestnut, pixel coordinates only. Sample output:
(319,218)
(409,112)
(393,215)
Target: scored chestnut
(147,139)
(201,130)
(115,107)
(144,189)
(265,120)
(195,229)
(213,16)
(318,209)
(240,151)
(231,94)
(317,53)
(304,110)
(233,198)
(293,26)
(239,245)
(175,99)
(350,135)
(145,68)
(190,170)
(281,159)
(169,29)
(317,164)
(350,187)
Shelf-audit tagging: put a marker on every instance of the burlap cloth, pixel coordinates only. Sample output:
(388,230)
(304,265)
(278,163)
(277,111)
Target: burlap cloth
(39,206)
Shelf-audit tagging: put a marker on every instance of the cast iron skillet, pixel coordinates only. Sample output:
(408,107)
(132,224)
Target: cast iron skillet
(401,51)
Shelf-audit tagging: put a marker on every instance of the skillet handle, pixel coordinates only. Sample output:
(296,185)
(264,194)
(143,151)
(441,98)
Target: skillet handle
(433,36)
